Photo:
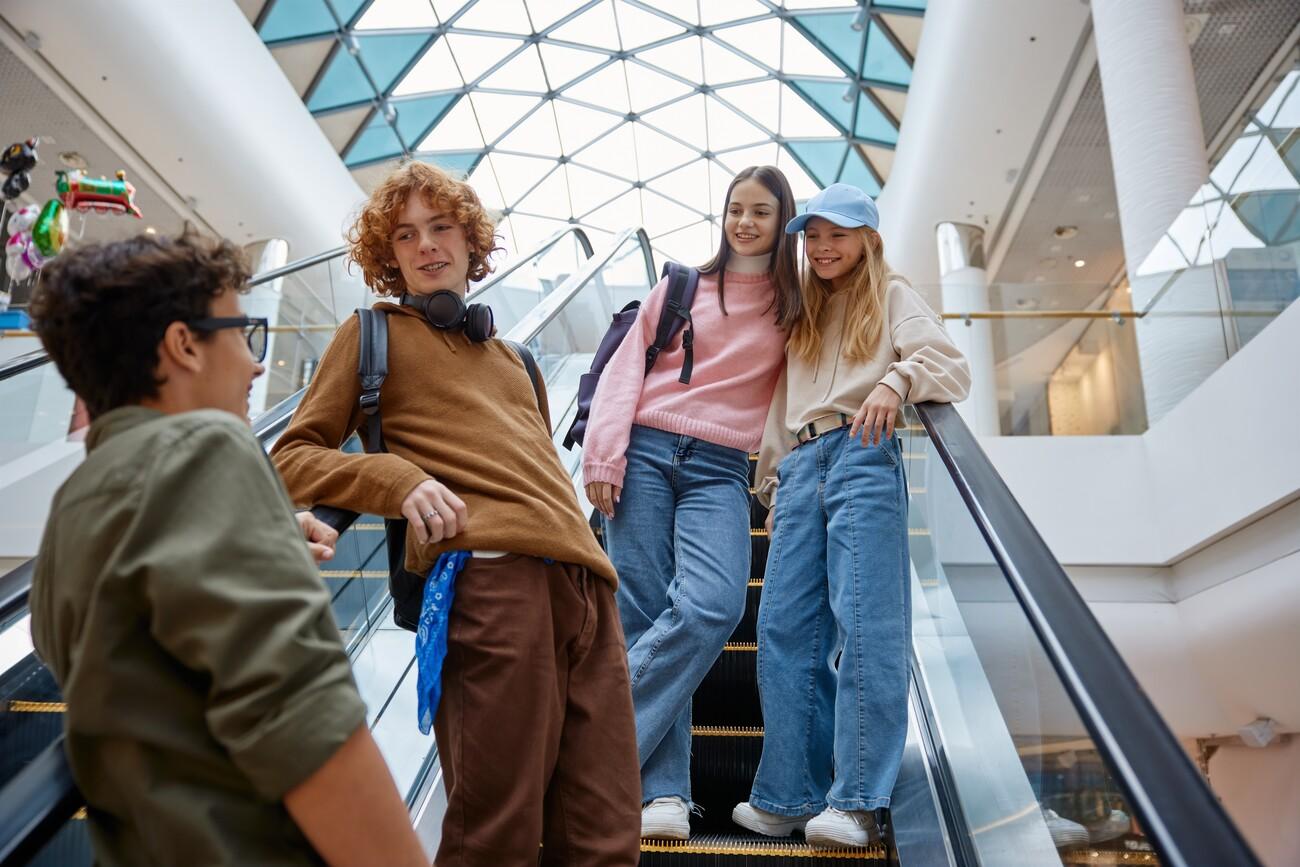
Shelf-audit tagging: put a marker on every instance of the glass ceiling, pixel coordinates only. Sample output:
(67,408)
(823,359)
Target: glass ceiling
(608,113)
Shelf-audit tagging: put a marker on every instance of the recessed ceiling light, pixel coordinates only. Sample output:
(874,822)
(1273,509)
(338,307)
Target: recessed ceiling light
(1065,232)
(150,230)
(74,160)
(1079,263)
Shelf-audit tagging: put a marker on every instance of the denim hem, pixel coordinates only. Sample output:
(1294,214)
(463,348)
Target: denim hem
(646,799)
(863,804)
(809,809)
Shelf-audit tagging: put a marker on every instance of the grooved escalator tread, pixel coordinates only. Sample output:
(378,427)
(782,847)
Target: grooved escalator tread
(741,847)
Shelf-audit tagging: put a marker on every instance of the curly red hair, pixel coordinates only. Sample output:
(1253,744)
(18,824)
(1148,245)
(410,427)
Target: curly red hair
(371,235)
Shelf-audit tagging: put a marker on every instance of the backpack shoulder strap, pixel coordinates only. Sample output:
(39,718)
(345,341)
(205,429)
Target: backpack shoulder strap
(530,365)
(676,314)
(372,368)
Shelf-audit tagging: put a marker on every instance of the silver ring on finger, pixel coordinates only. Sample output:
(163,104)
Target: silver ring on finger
(429,515)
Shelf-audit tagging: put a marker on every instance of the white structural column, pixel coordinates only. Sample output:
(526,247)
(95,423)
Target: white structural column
(1157,145)
(966,290)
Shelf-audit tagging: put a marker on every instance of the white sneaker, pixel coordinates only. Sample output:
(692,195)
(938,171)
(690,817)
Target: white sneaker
(666,819)
(768,824)
(1112,827)
(1064,832)
(842,828)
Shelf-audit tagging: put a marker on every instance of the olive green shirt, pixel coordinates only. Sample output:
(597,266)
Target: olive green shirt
(179,609)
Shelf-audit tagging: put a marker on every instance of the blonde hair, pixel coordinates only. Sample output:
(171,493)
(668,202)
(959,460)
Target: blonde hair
(864,320)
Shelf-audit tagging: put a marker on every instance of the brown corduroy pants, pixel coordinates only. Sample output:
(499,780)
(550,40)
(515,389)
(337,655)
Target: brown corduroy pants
(535,727)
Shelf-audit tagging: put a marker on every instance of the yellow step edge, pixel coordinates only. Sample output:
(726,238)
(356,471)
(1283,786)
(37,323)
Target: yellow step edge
(755,582)
(1098,857)
(352,573)
(761,848)
(741,647)
(369,526)
(38,707)
(918,531)
(759,532)
(727,731)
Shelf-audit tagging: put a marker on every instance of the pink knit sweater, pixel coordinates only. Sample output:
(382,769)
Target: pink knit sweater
(738,359)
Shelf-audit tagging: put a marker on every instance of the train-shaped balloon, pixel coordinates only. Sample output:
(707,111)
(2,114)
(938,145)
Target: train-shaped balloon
(101,195)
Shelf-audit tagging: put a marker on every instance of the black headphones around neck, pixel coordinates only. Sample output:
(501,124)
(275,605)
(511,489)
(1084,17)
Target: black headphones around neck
(447,311)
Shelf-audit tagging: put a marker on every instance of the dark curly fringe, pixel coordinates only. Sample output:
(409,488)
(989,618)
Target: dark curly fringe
(101,310)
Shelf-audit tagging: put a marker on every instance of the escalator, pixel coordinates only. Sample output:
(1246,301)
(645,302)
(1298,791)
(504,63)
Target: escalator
(1029,740)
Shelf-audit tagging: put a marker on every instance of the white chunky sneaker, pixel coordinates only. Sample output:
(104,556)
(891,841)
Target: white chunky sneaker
(842,828)
(1064,832)
(1112,827)
(768,824)
(666,819)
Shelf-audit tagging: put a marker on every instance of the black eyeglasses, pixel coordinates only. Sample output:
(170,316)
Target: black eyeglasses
(254,331)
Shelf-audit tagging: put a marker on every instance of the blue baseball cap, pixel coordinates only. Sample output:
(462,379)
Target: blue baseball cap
(843,204)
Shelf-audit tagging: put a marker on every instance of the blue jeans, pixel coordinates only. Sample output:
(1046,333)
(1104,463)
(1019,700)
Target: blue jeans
(834,630)
(680,541)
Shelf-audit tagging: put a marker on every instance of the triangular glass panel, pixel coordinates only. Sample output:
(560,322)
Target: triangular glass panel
(801,57)
(340,126)
(447,9)
(637,27)
(895,101)
(907,28)
(387,57)
(880,159)
(801,120)
(535,135)
(656,153)
(760,155)
(686,11)
(459,164)
(504,16)
(720,178)
(728,129)
(822,159)
(614,154)
(475,55)
(663,215)
(484,181)
(589,189)
(883,62)
(300,61)
(294,19)
(833,32)
(393,14)
(856,173)
(550,198)
(721,11)
(686,184)
(436,70)
(873,124)
(580,125)
(722,65)
(684,119)
(376,142)
(342,84)
(623,212)
(517,175)
(681,58)
(819,4)
(565,64)
(524,73)
(649,88)
(497,112)
(606,89)
(829,97)
(529,232)
(760,102)
(595,27)
(415,117)
(761,40)
(693,244)
(801,183)
(908,4)
(545,13)
(458,130)
(347,10)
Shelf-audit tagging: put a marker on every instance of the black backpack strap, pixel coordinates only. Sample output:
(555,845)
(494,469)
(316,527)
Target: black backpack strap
(676,314)
(372,368)
(530,365)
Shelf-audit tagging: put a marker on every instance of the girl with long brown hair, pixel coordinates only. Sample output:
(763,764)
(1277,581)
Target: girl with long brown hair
(834,624)
(667,464)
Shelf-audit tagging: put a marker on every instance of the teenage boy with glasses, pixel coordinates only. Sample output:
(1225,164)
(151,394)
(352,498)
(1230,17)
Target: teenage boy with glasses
(212,716)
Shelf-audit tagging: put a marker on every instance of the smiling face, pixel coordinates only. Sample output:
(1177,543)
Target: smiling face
(752,218)
(430,248)
(833,251)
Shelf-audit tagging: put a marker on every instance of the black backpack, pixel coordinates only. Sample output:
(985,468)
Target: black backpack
(683,281)
(406,588)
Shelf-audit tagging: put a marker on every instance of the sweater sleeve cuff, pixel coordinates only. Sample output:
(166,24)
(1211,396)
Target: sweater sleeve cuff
(405,482)
(599,471)
(897,382)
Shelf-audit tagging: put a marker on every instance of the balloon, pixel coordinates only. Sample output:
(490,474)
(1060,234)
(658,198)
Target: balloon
(22,257)
(80,193)
(50,229)
(17,160)
(15,185)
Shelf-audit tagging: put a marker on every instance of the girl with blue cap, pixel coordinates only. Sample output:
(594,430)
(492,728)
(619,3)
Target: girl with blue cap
(834,624)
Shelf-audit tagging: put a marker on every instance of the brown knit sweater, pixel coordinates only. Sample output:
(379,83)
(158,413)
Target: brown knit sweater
(459,412)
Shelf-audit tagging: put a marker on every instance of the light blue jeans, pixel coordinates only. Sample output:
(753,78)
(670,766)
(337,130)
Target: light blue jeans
(680,541)
(834,630)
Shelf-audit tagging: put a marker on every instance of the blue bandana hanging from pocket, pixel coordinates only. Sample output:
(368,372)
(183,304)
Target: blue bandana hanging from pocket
(431,637)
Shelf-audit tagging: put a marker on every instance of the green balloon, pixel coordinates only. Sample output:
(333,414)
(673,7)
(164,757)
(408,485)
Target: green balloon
(51,228)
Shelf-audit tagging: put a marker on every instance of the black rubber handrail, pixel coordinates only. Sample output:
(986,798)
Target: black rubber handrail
(1177,809)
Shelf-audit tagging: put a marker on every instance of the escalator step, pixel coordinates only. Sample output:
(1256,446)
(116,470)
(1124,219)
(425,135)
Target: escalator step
(728,695)
(741,849)
(31,715)
(747,629)
(723,763)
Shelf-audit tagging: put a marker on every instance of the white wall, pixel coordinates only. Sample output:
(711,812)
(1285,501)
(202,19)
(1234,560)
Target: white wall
(1261,790)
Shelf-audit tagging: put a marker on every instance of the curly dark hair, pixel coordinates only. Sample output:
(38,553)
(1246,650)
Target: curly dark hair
(101,310)
(370,236)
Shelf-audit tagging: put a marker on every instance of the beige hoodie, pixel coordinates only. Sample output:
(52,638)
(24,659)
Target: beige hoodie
(915,357)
